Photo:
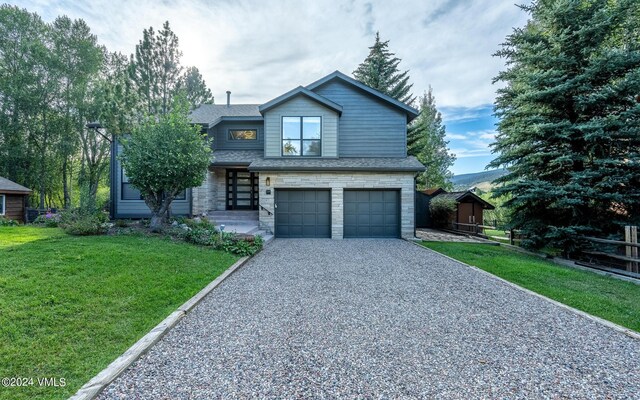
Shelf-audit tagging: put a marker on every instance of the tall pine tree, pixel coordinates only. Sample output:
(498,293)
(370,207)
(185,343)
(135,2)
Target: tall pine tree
(380,71)
(155,68)
(195,88)
(569,129)
(426,141)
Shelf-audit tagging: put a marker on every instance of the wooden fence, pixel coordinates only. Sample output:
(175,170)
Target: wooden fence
(625,254)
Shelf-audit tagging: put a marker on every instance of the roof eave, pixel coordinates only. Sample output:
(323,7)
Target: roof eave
(332,169)
(412,113)
(8,191)
(300,91)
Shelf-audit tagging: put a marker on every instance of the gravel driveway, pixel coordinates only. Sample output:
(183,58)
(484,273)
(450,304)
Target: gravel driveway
(378,319)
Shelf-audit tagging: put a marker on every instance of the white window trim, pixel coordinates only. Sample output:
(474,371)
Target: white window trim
(4,204)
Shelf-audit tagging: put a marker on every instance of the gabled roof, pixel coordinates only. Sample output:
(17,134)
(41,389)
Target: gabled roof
(301,91)
(212,114)
(410,111)
(465,195)
(434,191)
(7,186)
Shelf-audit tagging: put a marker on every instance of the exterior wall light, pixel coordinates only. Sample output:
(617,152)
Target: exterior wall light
(268,181)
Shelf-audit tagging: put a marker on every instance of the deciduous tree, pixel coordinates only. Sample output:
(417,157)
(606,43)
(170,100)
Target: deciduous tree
(164,156)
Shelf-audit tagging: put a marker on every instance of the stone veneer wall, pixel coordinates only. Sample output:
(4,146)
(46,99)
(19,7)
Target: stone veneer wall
(210,196)
(337,182)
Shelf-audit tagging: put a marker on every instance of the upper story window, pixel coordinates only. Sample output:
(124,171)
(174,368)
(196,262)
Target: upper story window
(302,136)
(243,134)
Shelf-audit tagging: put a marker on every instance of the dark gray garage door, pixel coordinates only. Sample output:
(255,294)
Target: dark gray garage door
(371,213)
(303,213)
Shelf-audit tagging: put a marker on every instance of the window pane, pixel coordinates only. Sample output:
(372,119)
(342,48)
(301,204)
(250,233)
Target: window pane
(243,134)
(311,128)
(291,127)
(129,192)
(291,148)
(125,178)
(2,204)
(311,148)
(182,195)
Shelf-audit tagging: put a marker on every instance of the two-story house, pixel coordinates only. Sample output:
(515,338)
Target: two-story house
(328,160)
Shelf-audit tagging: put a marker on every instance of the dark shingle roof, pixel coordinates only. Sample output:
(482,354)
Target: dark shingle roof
(459,196)
(9,186)
(211,114)
(406,164)
(235,157)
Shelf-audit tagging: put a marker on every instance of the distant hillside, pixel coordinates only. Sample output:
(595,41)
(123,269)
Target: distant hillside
(481,180)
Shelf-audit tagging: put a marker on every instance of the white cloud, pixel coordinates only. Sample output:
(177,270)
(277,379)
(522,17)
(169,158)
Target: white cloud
(466,153)
(456,136)
(259,49)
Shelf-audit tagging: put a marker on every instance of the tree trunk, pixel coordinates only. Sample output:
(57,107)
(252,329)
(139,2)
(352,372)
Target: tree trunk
(156,222)
(65,184)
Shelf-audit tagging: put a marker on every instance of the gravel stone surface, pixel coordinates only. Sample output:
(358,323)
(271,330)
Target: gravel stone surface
(378,319)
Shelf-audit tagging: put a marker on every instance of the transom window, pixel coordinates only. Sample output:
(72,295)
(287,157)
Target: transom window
(302,136)
(243,134)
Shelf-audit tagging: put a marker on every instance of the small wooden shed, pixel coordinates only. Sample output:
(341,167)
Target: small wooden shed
(470,207)
(13,200)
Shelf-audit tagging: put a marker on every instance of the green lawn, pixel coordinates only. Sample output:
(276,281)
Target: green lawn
(609,298)
(71,305)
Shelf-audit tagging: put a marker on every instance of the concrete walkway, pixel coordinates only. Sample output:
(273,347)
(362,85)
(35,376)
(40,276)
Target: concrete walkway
(378,319)
(432,235)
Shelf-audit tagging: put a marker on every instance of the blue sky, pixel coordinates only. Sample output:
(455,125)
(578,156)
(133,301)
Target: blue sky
(260,49)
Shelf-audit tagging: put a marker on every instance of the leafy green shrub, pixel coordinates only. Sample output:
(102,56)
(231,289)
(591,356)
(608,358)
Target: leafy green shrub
(49,220)
(441,210)
(202,236)
(229,242)
(80,223)
(4,221)
(85,226)
(242,246)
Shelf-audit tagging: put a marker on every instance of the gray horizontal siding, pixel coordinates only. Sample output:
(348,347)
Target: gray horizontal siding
(138,208)
(220,134)
(368,127)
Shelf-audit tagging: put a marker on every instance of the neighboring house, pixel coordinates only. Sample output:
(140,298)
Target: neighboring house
(470,207)
(327,160)
(13,200)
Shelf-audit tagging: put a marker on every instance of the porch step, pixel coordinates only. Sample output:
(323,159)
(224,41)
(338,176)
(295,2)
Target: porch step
(233,217)
(266,237)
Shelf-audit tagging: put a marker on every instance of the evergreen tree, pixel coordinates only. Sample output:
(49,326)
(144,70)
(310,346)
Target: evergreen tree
(426,141)
(380,71)
(194,87)
(155,68)
(569,129)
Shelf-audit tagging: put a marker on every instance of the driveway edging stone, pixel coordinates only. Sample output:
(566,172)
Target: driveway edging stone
(95,385)
(609,324)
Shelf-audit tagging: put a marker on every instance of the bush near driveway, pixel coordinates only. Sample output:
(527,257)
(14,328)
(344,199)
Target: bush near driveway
(70,305)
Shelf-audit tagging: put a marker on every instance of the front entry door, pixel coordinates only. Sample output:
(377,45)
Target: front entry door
(242,190)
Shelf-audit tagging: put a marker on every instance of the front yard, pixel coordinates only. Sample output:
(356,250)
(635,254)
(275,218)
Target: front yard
(71,305)
(608,298)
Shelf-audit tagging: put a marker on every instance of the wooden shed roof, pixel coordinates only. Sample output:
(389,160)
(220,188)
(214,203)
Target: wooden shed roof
(7,186)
